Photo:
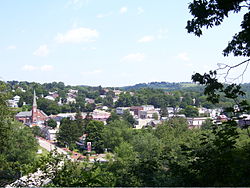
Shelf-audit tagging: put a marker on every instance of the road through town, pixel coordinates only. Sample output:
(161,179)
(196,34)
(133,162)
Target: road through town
(49,146)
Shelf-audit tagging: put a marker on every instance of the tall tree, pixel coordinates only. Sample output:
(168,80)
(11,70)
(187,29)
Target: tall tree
(69,133)
(18,146)
(94,130)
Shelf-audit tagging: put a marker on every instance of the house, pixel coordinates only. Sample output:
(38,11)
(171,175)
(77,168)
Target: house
(21,89)
(73,91)
(33,117)
(196,122)
(244,121)
(221,118)
(140,123)
(136,109)
(117,92)
(144,114)
(70,100)
(14,102)
(215,112)
(170,110)
(100,115)
(154,123)
(121,110)
(50,134)
(89,101)
(50,98)
(16,98)
(103,96)
(71,116)
(148,107)
(176,115)
(54,94)
(115,99)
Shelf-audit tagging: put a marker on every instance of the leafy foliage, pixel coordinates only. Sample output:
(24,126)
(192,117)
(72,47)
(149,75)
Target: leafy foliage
(209,13)
(18,146)
(69,132)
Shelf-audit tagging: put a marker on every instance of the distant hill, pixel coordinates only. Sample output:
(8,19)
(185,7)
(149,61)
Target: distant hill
(162,85)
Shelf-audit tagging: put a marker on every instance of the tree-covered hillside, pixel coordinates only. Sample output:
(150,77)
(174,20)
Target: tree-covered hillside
(168,86)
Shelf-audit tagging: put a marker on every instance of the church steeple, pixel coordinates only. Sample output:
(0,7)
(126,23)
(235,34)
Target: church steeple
(34,99)
(34,109)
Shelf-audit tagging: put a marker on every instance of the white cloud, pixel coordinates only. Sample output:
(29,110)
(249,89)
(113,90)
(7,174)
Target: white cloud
(11,47)
(97,71)
(148,38)
(43,68)
(46,68)
(140,10)
(136,57)
(42,51)
(29,68)
(123,10)
(77,35)
(183,56)
(161,34)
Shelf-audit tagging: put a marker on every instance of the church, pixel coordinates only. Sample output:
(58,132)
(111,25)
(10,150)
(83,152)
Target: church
(33,117)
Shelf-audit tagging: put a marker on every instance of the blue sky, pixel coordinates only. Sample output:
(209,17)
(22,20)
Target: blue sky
(107,42)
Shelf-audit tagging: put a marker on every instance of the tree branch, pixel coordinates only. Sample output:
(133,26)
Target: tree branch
(229,68)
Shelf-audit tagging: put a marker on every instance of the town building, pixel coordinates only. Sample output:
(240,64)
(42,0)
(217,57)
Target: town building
(14,102)
(100,115)
(89,101)
(50,98)
(196,122)
(136,109)
(33,117)
(121,110)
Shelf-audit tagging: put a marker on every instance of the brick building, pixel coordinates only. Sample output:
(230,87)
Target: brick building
(35,116)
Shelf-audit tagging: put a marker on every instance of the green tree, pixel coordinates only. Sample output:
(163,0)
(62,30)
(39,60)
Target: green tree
(114,116)
(69,132)
(94,130)
(48,106)
(210,13)
(18,146)
(190,111)
(37,131)
(124,166)
(74,174)
(115,133)
(52,123)
(108,101)
(155,116)
(128,117)
(218,152)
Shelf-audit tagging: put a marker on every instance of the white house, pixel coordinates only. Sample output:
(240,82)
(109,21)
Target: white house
(196,122)
(49,98)
(16,98)
(70,100)
(144,114)
(140,123)
(148,107)
(121,110)
(14,102)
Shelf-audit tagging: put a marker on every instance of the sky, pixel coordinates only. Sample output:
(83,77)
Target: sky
(108,42)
